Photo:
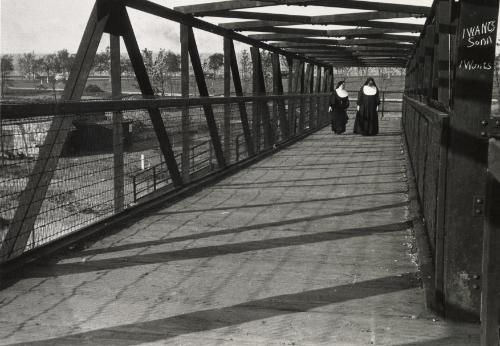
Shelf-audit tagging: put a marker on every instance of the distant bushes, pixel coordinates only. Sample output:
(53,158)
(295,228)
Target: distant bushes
(92,88)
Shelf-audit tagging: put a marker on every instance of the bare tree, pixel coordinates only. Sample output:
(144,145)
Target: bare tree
(245,68)
(215,62)
(173,65)
(102,62)
(51,66)
(267,69)
(161,68)
(65,61)
(7,66)
(27,64)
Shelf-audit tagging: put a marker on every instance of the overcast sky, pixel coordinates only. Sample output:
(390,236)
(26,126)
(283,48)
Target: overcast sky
(45,26)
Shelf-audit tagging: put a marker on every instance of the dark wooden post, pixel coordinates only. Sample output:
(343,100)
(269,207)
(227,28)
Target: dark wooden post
(290,74)
(467,156)
(227,93)
(421,70)
(491,251)
(310,91)
(292,102)
(116,91)
(443,96)
(278,90)
(306,74)
(325,81)
(435,59)
(318,98)
(429,64)
(256,106)
(185,124)
(260,90)
(242,107)
(444,73)
(332,80)
(299,89)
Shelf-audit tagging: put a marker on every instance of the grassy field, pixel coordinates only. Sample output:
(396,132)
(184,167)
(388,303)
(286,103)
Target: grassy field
(23,89)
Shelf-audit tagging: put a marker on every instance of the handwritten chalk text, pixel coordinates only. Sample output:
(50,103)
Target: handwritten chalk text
(471,65)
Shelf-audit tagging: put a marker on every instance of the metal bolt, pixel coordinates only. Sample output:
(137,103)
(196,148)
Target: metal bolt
(479,211)
(476,287)
(479,201)
(497,122)
(484,123)
(476,277)
(484,134)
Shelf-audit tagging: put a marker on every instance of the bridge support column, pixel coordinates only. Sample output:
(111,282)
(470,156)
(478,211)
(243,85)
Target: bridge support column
(278,90)
(227,93)
(467,157)
(238,89)
(203,90)
(186,121)
(262,111)
(116,91)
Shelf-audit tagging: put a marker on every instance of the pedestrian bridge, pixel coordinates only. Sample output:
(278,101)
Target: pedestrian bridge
(242,219)
(311,245)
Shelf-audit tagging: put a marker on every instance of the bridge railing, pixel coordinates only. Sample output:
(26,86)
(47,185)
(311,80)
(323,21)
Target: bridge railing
(426,132)
(390,106)
(96,179)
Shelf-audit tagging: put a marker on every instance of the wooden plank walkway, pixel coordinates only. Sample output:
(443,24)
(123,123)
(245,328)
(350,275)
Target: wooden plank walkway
(311,246)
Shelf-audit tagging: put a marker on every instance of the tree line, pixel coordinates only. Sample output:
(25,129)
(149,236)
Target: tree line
(162,67)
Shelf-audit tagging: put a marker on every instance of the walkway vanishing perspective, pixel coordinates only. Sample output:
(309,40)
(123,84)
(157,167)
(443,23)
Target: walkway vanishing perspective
(311,246)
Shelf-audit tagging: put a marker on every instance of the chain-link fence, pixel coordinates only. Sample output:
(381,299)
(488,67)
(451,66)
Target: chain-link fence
(67,166)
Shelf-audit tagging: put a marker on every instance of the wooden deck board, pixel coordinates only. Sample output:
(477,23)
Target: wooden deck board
(307,247)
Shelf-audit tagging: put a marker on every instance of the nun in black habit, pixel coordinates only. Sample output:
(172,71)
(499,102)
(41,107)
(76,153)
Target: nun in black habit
(366,122)
(339,102)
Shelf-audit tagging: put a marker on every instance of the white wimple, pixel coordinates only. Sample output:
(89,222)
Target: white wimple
(342,92)
(368,90)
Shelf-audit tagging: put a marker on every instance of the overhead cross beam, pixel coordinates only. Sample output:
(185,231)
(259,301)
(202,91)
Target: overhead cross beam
(282,33)
(313,46)
(207,8)
(173,15)
(333,19)
(302,39)
(371,28)
(348,33)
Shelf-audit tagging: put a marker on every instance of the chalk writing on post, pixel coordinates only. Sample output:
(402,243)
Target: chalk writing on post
(477,36)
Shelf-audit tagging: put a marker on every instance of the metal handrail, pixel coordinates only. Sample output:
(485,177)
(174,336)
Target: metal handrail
(16,111)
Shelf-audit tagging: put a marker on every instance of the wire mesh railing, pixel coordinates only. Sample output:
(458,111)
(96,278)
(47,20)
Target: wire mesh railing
(101,148)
